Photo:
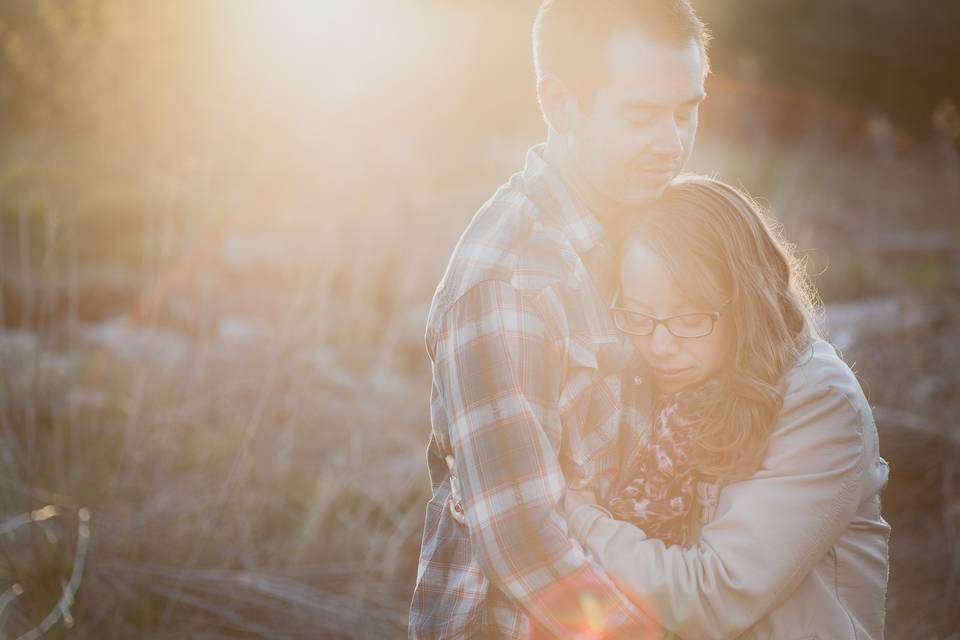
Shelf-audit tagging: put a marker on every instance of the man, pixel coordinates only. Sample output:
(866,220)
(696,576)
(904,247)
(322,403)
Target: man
(528,367)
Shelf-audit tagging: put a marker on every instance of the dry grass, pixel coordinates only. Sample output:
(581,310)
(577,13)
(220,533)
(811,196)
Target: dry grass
(245,415)
(252,486)
(215,264)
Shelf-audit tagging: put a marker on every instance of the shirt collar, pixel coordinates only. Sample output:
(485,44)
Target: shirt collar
(544,186)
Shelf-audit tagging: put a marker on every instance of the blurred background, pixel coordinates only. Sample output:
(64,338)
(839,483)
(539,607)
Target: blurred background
(221,224)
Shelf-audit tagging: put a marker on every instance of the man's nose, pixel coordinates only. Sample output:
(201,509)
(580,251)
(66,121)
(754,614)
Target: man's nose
(668,143)
(662,342)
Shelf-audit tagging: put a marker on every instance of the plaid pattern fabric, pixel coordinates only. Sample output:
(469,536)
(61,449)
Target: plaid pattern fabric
(528,371)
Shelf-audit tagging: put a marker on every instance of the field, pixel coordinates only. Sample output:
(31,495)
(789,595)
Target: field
(214,391)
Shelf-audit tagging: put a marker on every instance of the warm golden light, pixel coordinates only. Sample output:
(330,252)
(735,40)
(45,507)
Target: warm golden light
(221,226)
(305,23)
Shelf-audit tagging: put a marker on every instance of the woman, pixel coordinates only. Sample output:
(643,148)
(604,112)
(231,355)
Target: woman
(753,509)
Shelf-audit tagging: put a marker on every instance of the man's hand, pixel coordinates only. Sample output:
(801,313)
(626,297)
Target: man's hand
(456,504)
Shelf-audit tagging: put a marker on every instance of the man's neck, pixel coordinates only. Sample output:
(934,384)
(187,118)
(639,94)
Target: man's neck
(608,211)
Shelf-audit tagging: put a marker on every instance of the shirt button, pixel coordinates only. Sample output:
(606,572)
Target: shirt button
(637,380)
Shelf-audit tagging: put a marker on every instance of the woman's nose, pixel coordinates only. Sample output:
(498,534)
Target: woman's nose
(662,342)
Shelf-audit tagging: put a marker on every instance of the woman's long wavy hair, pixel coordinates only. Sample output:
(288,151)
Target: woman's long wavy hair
(719,245)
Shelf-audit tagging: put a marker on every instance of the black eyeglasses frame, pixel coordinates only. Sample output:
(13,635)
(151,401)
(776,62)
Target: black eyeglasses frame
(714,317)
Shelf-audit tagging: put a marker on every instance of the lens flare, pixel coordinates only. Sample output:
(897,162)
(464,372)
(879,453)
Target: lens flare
(588,610)
(595,620)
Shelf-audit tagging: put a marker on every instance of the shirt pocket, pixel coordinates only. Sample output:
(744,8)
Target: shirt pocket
(590,401)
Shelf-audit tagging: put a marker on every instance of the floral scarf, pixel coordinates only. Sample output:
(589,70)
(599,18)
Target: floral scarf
(663,489)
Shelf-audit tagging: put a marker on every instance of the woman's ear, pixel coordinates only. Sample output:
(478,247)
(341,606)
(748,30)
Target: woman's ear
(557,102)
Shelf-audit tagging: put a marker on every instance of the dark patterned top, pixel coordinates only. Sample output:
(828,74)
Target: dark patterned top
(663,489)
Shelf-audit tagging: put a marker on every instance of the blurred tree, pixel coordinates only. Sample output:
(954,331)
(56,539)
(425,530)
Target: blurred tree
(873,55)
(75,63)
(56,59)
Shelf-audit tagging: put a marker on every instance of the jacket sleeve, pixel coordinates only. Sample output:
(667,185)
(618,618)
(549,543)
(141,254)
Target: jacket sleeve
(768,534)
(499,368)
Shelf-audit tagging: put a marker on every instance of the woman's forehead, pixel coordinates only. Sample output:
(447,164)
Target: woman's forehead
(648,282)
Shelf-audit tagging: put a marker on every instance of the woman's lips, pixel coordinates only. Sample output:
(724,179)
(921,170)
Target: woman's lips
(670,373)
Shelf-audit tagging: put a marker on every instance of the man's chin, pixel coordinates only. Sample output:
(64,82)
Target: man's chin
(643,195)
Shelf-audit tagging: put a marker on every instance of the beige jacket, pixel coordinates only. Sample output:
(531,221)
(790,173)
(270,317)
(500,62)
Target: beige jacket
(798,551)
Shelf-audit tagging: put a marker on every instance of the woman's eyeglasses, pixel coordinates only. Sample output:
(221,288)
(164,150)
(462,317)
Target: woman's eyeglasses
(685,325)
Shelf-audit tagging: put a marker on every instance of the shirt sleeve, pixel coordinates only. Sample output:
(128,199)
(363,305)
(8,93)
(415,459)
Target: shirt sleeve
(499,365)
(769,533)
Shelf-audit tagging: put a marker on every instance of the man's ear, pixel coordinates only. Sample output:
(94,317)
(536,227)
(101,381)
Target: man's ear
(558,103)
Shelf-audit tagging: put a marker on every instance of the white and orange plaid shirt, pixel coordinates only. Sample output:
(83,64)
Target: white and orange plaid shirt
(528,375)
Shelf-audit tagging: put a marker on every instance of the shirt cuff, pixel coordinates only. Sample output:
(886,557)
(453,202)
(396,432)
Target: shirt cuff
(582,512)
(582,519)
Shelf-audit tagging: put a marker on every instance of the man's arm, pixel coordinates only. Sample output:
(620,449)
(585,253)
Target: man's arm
(499,366)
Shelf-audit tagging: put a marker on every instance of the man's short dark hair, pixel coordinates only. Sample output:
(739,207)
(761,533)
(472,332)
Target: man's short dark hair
(570,36)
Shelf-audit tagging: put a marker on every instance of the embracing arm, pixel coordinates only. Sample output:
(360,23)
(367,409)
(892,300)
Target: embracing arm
(769,533)
(499,367)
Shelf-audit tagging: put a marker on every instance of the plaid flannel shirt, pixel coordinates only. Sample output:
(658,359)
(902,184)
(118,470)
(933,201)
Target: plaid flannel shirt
(528,371)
